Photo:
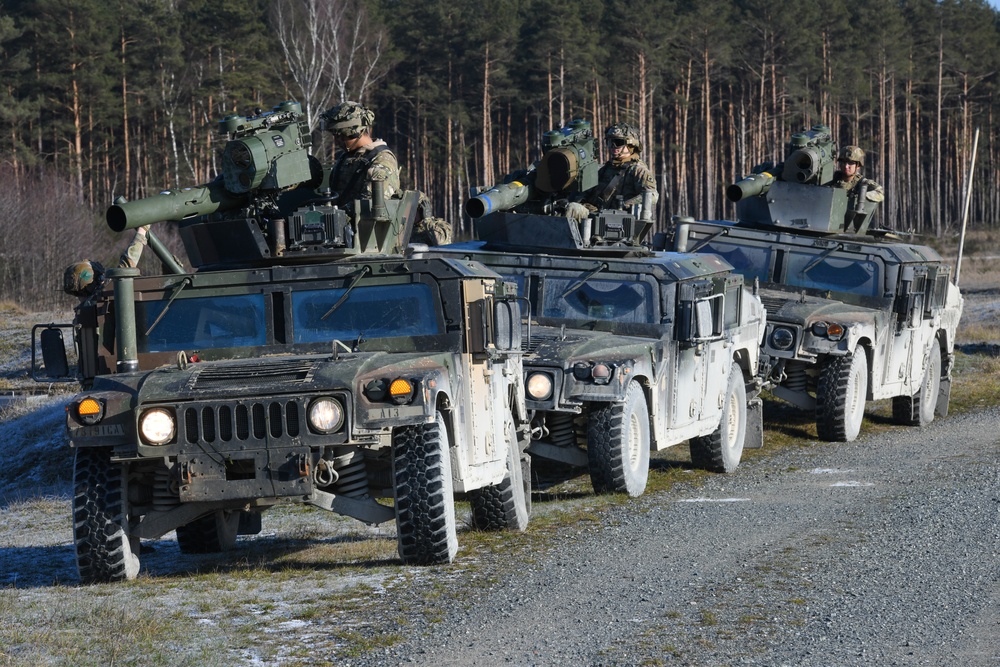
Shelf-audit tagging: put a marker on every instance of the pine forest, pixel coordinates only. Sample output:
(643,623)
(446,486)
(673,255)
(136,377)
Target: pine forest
(102,98)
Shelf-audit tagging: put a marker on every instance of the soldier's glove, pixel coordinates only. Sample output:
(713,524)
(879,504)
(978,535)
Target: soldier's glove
(577,211)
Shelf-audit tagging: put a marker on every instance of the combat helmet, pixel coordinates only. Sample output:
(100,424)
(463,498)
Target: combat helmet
(83,278)
(627,132)
(852,154)
(348,119)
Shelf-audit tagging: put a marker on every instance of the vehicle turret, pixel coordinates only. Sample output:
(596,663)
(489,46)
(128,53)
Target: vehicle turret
(798,193)
(525,212)
(568,166)
(272,203)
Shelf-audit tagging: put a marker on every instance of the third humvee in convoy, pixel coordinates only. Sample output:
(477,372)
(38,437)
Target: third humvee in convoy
(627,350)
(305,361)
(854,314)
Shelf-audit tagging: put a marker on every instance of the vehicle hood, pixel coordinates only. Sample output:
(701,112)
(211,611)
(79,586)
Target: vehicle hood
(274,376)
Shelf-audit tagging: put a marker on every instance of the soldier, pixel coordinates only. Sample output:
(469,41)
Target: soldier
(623,177)
(851,161)
(85,278)
(362,159)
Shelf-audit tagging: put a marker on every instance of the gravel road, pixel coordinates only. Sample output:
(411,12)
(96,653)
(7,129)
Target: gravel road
(879,552)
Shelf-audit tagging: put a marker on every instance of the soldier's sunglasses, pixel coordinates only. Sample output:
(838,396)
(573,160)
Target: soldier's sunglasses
(617,142)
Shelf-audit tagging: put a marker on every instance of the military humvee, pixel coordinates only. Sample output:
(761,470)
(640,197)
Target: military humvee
(628,350)
(306,361)
(853,314)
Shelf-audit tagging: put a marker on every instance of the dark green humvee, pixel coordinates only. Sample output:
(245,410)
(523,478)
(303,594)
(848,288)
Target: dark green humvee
(305,361)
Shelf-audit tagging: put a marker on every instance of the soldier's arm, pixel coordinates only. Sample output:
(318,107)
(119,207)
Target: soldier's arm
(875,191)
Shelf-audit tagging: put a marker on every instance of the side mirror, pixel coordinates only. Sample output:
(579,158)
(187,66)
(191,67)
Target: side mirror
(55,364)
(507,324)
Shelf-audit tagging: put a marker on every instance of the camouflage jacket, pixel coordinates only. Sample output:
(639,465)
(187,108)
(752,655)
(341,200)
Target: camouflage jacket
(635,179)
(874,193)
(347,181)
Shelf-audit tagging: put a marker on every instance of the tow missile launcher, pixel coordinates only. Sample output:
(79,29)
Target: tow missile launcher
(272,203)
(568,165)
(523,210)
(797,192)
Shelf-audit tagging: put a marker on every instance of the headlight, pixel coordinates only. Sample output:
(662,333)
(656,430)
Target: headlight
(831,331)
(782,338)
(90,411)
(401,391)
(602,373)
(157,426)
(326,415)
(539,386)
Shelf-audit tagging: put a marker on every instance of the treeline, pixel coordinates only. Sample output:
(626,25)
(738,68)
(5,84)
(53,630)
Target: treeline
(109,97)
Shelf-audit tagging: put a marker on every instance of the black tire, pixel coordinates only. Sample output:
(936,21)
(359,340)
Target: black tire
(918,410)
(425,500)
(618,444)
(105,552)
(504,506)
(840,397)
(721,450)
(210,534)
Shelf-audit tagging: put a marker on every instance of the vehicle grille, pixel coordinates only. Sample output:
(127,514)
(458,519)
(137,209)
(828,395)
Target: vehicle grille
(538,339)
(773,302)
(255,375)
(242,422)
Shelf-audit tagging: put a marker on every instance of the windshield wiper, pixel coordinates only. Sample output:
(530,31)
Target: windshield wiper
(826,253)
(180,286)
(365,270)
(708,239)
(603,266)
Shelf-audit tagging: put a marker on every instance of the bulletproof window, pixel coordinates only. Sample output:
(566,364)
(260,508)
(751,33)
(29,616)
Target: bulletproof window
(834,273)
(595,299)
(378,311)
(199,323)
(751,261)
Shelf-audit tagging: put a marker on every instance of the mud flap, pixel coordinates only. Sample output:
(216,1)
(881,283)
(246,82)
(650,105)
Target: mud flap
(755,424)
(944,397)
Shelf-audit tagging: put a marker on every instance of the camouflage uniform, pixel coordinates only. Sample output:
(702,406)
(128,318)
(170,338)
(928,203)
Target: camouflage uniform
(875,191)
(355,170)
(626,177)
(130,258)
(429,229)
(350,185)
(636,178)
(853,183)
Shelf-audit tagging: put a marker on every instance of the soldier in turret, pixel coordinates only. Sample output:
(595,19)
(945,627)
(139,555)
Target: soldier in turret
(849,175)
(623,178)
(362,158)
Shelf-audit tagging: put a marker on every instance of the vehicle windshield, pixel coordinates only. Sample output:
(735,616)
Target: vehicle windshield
(595,299)
(380,311)
(752,262)
(236,320)
(801,268)
(837,274)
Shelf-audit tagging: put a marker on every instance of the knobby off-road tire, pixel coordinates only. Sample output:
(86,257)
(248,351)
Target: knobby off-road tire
(504,506)
(618,444)
(918,410)
(210,534)
(104,550)
(721,450)
(840,397)
(425,499)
